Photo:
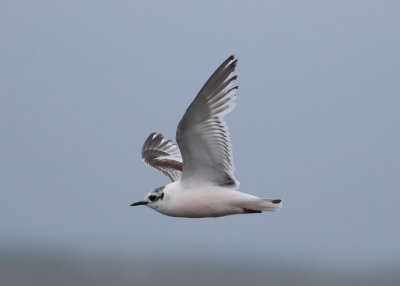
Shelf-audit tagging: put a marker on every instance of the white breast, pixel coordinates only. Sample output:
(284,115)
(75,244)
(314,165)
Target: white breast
(202,201)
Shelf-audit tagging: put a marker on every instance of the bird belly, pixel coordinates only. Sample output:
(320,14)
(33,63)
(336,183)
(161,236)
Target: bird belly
(203,210)
(200,203)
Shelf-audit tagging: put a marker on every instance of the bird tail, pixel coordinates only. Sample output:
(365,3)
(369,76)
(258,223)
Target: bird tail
(271,204)
(260,205)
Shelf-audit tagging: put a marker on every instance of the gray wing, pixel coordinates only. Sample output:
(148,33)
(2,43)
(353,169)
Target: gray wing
(202,134)
(163,155)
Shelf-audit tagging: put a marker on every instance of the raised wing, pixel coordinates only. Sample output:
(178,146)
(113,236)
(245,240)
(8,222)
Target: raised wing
(202,134)
(163,155)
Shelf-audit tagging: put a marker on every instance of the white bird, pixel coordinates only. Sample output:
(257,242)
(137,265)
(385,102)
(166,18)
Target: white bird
(201,169)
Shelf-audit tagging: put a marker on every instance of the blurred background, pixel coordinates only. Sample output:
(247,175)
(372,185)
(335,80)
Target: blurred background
(83,83)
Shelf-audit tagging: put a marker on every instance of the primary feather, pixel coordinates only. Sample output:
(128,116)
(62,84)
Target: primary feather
(163,155)
(202,134)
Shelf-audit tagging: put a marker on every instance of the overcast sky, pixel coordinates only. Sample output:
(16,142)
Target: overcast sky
(83,83)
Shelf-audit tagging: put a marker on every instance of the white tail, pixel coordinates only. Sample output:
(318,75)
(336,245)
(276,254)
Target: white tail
(270,204)
(260,205)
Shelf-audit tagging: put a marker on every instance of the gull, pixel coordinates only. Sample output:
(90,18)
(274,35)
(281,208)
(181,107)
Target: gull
(201,166)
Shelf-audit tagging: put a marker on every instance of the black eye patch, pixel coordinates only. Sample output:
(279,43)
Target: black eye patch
(152,198)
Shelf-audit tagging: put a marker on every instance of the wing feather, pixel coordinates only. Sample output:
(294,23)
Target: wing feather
(163,155)
(202,134)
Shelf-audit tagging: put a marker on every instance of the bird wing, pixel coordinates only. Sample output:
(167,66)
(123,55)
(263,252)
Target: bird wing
(202,134)
(163,155)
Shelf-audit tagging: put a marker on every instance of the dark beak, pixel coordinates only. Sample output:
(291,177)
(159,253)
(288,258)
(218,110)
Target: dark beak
(139,203)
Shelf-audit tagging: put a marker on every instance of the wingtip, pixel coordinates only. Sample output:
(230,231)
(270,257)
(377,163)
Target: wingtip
(151,136)
(234,63)
(233,60)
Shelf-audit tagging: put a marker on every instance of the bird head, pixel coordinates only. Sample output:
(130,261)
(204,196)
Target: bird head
(152,199)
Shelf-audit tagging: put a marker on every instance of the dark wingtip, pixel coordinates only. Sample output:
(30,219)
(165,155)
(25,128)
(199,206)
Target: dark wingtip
(234,63)
(276,201)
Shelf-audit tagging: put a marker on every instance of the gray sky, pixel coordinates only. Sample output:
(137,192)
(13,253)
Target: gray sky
(82,83)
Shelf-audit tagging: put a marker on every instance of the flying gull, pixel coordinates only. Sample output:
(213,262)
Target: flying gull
(201,166)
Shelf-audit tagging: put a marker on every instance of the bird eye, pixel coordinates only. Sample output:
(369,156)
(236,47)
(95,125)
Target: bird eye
(152,198)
